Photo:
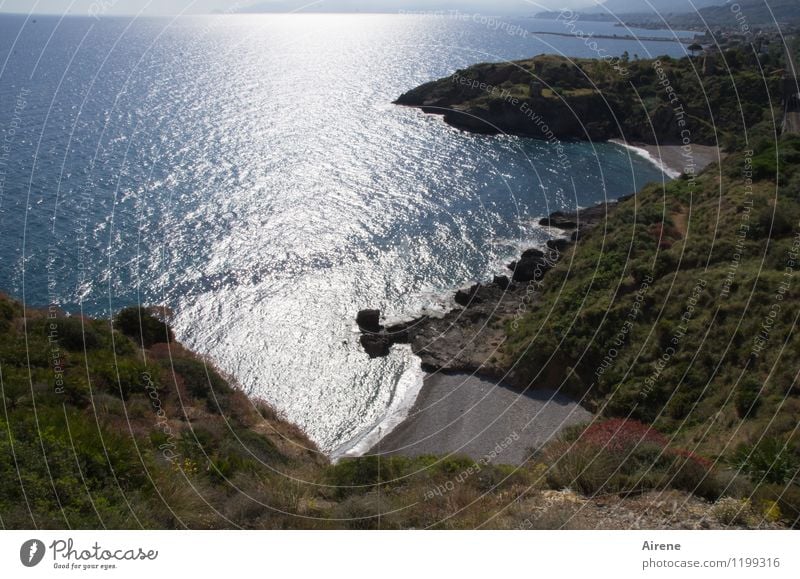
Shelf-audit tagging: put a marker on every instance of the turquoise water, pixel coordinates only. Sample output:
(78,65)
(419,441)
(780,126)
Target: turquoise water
(251,173)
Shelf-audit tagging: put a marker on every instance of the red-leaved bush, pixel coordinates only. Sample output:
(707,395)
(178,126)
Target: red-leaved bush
(620,455)
(620,434)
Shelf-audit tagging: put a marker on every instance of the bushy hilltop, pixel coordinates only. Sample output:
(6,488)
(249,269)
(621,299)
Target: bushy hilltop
(124,428)
(681,311)
(625,98)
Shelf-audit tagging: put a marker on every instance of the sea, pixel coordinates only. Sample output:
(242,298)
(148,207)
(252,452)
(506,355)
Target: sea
(251,173)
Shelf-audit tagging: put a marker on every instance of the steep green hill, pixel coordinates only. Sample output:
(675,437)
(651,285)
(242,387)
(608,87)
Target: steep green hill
(681,311)
(120,429)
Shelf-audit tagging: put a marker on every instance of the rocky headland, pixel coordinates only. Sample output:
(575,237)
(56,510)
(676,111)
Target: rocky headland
(468,337)
(642,102)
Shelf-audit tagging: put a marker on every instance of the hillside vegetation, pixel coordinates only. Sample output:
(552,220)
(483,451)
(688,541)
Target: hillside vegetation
(635,100)
(681,311)
(124,428)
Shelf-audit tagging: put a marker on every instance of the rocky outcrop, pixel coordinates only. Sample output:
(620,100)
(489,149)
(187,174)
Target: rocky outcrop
(369,320)
(550,97)
(565,118)
(581,218)
(469,337)
(533,264)
(375,339)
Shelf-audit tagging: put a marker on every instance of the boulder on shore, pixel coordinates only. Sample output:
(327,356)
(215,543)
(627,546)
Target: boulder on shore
(464,297)
(532,265)
(375,345)
(501,281)
(559,244)
(369,320)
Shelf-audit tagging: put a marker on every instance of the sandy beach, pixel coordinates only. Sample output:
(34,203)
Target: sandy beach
(673,159)
(469,415)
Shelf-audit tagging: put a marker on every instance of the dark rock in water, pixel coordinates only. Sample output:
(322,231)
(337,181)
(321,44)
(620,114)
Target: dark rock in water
(398,334)
(533,264)
(530,254)
(375,345)
(580,219)
(559,245)
(369,320)
(465,297)
(377,340)
(560,220)
(501,281)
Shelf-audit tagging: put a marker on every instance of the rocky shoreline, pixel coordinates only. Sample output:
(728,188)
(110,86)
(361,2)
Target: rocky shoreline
(468,338)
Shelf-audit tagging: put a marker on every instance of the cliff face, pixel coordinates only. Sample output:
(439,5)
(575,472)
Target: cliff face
(662,101)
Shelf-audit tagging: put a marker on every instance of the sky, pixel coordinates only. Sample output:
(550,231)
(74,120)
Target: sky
(162,7)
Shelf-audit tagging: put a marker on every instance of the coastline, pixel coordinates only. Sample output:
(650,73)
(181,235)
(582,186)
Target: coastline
(468,338)
(464,342)
(672,159)
(487,420)
(407,392)
(450,345)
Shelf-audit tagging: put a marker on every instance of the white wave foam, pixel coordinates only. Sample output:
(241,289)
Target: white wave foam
(405,395)
(645,154)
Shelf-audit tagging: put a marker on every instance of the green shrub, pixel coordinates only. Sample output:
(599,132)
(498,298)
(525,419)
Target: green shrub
(6,314)
(729,511)
(785,497)
(765,165)
(141,326)
(768,461)
(74,333)
(199,378)
(775,222)
(364,474)
(747,398)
